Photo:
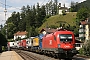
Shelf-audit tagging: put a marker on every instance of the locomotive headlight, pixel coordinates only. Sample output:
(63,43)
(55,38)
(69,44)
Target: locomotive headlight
(58,45)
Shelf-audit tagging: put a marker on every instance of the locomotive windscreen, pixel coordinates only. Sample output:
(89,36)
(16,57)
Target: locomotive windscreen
(65,37)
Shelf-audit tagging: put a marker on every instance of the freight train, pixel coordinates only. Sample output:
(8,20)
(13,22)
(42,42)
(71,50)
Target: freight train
(60,43)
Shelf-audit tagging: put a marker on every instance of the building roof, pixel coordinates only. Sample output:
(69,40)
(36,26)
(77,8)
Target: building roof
(86,21)
(83,22)
(20,33)
(42,30)
(49,30)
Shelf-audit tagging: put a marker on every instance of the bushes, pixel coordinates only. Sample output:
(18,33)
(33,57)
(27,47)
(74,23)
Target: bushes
(85,50)
(81,51)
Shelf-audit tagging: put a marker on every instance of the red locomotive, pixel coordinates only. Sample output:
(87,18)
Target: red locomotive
(60,43)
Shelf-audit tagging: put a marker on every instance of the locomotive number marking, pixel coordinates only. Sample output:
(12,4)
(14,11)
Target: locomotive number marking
(67,46)
(50,42)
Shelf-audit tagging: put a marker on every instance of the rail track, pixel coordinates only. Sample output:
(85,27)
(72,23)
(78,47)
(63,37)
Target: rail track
(26,55)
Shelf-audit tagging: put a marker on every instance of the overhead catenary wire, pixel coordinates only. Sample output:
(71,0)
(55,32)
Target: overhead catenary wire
(48,1)
(19,8)
(9,5)
(42,2)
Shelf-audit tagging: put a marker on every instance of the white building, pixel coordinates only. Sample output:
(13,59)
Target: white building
(84,30)
(61,9)
(22,34)
(87,32)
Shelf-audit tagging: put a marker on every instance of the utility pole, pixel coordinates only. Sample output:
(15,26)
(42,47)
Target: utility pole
(5,18)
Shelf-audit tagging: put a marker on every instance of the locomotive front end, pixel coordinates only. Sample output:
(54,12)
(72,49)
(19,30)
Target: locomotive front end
(66,44)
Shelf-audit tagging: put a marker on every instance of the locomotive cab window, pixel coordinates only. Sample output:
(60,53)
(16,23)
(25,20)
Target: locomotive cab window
(65,37)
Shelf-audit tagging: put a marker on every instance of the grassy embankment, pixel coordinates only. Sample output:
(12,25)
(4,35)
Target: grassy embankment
(53,20)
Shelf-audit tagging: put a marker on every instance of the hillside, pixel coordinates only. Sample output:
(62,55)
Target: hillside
(84,4)
(78,6)
(54,20)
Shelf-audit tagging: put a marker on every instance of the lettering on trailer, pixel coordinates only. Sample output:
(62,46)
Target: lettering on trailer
(50,42)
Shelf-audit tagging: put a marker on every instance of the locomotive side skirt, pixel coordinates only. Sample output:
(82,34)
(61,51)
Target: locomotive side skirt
(61,52)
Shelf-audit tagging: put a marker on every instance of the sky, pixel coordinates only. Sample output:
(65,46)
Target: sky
(16,5)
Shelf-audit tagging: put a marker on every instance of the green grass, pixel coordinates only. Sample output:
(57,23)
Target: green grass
(54,20)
